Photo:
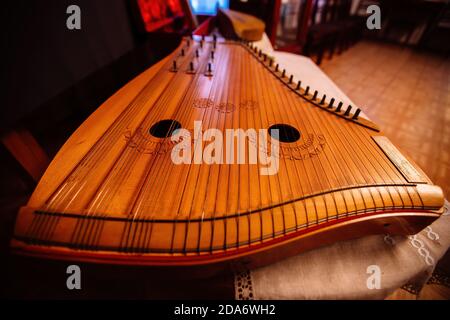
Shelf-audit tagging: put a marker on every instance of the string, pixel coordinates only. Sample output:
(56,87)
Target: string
(103,141)
(373,168)
(137,211)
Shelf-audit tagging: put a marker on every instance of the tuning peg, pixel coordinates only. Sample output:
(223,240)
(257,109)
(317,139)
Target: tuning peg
(276,68)
(174,65)
(209,70)
(306,90)
(299,83)
(347,112)
(330,105)
(357,112)
(283,73)
(315,95)
(290,79)
(212,55)
(196,53)
(323,99)
(338,109)
(270,62)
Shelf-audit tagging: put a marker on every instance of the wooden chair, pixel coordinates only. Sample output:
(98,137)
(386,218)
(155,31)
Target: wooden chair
(27,151)
(332,27)
(323,33)
(437,30)
(350,26)
(402,23)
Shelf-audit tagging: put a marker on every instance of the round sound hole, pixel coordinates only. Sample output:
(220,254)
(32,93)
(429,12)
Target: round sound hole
(164,128)
(286,133)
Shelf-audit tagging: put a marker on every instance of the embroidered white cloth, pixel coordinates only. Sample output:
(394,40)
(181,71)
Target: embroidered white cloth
(367,268)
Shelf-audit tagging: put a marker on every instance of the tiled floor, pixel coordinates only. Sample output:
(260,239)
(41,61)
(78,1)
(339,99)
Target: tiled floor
(407,93)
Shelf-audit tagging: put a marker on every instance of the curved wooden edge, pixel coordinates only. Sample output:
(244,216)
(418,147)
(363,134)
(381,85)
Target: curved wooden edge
(82,140)
(234,24)
(393,223)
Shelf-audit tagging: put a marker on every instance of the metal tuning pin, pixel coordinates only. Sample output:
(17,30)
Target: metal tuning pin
(291,78)
(323,99)
(214,37)
(339,107)
(356,115)
(276,68)
(196,54)
(208,70)
(265,57)
(212,55)
(347,112)
(201,43)
(299,83)
(270,62)
(260,53)
(330,105)
(191,67)
(283,73)
(203,37)
(182,52)
(306,90)
(174,66)
(315,95)
(214,44)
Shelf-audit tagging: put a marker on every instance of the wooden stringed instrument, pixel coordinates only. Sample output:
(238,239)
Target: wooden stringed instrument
(113,193)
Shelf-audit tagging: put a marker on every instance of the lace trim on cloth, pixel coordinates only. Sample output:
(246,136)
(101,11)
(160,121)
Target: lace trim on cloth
(412,288)
(422,250)
(428,245)
(243,286)
(446,210)
(440,277)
